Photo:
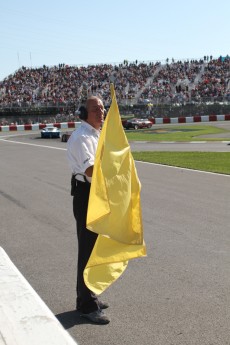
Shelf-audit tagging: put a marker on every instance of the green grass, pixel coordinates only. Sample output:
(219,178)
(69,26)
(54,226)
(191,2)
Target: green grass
(218,162)
(177,133)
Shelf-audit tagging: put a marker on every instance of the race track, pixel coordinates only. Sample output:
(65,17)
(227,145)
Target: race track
(178,294)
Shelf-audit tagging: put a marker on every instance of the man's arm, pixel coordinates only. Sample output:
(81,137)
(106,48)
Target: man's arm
(89,171)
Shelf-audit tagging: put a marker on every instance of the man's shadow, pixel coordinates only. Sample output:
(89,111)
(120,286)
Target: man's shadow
(71,318)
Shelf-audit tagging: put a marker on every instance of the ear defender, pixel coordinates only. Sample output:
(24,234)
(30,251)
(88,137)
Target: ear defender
(83,113)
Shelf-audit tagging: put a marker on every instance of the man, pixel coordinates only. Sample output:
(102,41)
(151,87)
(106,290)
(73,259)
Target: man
(81,150)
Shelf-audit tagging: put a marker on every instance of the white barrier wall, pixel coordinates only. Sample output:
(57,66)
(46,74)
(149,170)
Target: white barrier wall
(204,118)
(220,117)
(158,121)
(24,317)
(189,119)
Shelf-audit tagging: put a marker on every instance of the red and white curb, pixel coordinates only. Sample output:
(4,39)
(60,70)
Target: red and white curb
(156,121)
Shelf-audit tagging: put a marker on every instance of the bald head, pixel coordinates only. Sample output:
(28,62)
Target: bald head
(95,110)
(92,99)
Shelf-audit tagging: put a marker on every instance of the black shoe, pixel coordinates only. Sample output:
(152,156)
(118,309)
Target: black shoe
(97,316)
(103,305)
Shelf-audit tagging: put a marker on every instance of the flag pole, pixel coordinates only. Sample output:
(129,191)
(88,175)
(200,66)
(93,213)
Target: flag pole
(112,90)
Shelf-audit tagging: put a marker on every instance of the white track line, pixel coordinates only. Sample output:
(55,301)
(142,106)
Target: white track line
(45,146)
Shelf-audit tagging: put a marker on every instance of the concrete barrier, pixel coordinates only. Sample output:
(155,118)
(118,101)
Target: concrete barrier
(24,317)
(38,126)
(190,119)
(157,121)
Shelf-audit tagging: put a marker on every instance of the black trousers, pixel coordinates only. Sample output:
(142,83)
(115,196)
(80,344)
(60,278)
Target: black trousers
(87,301)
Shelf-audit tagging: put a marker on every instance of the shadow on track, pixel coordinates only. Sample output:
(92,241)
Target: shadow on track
(71,318)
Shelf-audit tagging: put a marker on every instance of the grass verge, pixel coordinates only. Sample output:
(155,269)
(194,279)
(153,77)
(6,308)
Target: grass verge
(177,133)
(218,162)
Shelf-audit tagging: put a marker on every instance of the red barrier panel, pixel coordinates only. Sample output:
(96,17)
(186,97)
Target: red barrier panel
(28,127)
(152,119)
(71,124)
(42,125)
(181,119)
(227,117)
(197,119)
(13,128)
(166,120)
(212,118)
(58,125)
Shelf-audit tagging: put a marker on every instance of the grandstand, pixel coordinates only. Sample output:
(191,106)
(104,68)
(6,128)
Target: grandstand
(151,89)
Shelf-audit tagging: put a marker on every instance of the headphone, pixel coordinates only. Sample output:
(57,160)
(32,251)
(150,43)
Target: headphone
(83,115)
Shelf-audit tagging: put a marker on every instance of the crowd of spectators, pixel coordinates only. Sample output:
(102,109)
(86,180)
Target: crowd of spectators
(214,83)
(175,81)
(68,84)
(191,81)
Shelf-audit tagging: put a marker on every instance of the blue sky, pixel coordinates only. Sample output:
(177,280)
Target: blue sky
(74,32)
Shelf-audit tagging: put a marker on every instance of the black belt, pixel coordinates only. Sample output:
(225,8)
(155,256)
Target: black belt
(80,178)
(75,182)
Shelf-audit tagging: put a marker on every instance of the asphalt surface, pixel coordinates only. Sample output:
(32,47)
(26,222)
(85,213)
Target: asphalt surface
(203,146)
(177,295)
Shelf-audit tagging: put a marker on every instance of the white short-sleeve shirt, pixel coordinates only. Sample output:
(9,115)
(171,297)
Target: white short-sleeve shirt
(81,149)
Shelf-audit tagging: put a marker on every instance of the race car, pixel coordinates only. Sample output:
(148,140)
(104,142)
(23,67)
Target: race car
(50,132)
(65,136)
(137,124)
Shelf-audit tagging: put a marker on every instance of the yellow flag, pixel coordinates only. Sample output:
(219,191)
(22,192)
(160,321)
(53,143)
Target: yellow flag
(114,209)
